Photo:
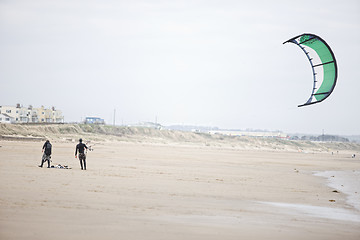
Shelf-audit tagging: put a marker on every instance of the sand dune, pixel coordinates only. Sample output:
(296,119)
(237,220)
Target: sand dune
(105,133)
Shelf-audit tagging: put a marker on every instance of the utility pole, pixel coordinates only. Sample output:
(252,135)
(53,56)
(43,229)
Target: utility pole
(114,116)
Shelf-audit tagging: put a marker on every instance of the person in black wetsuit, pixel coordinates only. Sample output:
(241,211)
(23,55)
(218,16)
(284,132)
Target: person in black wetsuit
(82,157)
(47,153)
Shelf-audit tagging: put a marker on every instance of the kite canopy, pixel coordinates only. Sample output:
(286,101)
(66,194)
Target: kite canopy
(323,65)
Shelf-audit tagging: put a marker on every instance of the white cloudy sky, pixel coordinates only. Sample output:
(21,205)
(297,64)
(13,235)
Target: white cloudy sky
(216,63)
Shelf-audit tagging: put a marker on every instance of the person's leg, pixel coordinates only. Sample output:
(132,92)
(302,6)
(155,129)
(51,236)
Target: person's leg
(42,160)
(84,159)
(48,160)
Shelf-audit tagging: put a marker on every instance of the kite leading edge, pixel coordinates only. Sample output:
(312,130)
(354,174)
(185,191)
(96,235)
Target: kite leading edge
(323,64)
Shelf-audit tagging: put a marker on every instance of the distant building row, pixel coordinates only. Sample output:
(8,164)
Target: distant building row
(20,114)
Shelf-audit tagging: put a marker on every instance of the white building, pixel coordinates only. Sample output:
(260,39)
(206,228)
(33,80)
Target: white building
(94,120)
(21,114)
(4,118)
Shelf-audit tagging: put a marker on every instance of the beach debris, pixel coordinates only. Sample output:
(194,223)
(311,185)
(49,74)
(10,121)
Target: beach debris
(332,200)
(60,166)
(335,191)
(295,170)
(353,156)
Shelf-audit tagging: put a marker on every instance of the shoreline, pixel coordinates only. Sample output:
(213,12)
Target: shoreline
(347,182)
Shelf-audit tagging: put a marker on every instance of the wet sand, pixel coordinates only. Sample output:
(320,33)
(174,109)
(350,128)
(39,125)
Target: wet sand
(169,191)
(347,182)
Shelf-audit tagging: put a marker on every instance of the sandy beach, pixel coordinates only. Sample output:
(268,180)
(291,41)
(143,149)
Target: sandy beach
(139,190)
(207,120)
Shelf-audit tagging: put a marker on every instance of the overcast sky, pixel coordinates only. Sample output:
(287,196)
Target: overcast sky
(213,63)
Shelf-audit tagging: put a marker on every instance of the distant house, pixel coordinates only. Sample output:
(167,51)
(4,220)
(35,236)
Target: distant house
(20,114)
(148,125)
(4,118)
(94,120)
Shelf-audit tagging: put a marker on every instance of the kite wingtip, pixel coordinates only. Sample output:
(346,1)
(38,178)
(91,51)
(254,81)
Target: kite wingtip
(305,104)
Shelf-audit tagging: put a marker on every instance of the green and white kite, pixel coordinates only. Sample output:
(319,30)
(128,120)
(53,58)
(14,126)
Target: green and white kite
(323,65)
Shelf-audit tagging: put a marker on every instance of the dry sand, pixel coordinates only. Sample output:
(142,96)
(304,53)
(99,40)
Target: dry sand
(169,191)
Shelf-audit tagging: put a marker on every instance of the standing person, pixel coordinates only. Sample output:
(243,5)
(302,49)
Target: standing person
(82,157)
(46,149)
